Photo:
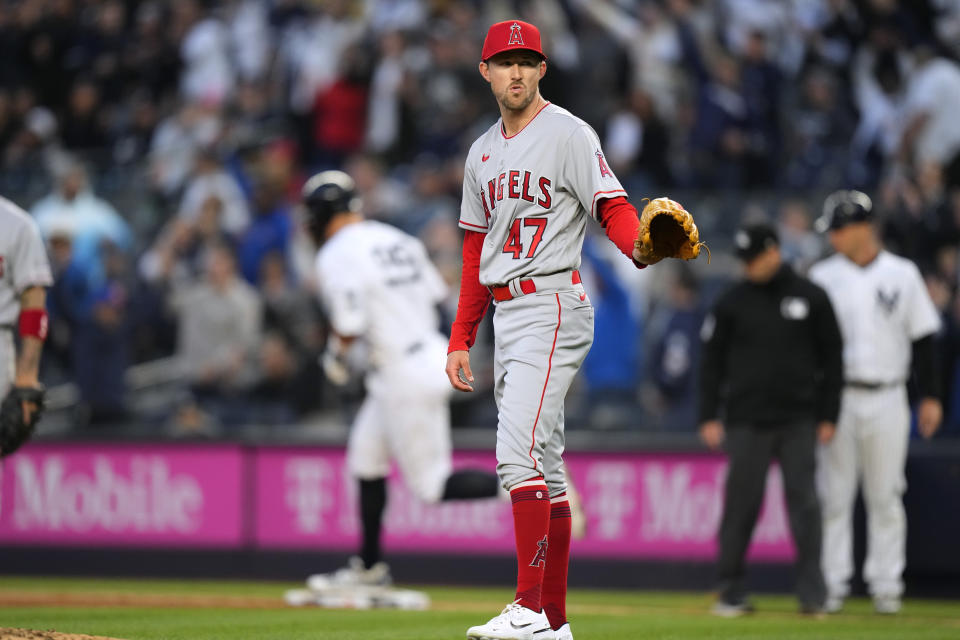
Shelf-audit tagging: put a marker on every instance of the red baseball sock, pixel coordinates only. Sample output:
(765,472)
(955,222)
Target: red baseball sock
(558,557)
(531,522)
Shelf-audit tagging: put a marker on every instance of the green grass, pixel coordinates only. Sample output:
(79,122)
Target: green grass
(595,615)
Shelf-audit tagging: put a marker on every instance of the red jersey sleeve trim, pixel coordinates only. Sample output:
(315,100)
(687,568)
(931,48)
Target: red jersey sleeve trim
(593,204)
(463,223)
(474,297)
(621,223)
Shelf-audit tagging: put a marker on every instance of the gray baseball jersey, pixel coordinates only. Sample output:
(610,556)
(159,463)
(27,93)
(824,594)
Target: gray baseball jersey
(377,283)
(23,264)
(881,309)
(529,193)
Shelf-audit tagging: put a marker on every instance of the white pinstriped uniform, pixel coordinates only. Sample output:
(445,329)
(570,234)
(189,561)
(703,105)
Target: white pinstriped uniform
(23,264)
(531,193)
(378,284)
(881,308)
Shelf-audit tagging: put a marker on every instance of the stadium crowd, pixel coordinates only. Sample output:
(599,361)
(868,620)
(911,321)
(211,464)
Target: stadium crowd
(161,146)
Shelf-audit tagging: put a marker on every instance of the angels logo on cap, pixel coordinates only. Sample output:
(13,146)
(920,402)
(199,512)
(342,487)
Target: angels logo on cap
(515,37)
(509,35)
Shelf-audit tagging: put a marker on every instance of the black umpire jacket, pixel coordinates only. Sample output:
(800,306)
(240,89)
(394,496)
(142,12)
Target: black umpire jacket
(772,354)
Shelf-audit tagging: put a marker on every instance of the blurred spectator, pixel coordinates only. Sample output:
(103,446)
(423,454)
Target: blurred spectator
(339,111)
(101,342)
(208,75)
(431,197)
(91,221)
(269,232)
(638,143)
(932,131)
(800,246)
(220,330)
(878,97)
(150,57)
(132,136)
(385,197)
(385,131)
(176,257)
(35,143)
(761,81)
(819,127)
(84,124)
(675,356)
(283,392)
(211,179)
(176,144)
(720,140)
(100,49)
(251,41)
(909,223)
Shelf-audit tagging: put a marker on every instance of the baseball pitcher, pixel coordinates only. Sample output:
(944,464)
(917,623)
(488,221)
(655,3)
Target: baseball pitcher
(530,184)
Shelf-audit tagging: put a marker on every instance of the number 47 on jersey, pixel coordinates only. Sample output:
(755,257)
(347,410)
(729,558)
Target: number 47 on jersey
(514,244)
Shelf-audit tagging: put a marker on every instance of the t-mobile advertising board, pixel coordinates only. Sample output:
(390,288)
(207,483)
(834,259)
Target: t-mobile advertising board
(638,506)
(123,495)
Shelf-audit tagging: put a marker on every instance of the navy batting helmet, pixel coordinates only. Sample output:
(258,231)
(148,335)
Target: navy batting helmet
(844,207)
(325,195)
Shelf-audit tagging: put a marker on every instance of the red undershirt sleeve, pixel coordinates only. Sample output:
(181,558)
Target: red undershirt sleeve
(474,297)
(620,221)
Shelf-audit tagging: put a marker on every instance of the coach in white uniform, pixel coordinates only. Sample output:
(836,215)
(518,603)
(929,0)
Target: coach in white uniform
(888,322)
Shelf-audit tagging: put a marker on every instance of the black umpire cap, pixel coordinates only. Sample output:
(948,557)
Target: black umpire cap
(753,239)
(844,207)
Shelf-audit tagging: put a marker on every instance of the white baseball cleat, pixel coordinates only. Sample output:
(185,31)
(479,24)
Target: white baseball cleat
(887,604)
(834,604)
(726,609)
(564,633)
(352,575)
(515,622)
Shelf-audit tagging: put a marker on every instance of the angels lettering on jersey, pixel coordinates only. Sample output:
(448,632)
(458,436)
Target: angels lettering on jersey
(515,185)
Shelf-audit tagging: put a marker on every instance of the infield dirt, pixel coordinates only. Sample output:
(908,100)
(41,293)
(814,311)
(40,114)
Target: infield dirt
(33,634)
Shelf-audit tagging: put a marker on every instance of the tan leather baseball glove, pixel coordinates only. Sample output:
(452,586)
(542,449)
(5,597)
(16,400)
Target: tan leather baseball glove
(667,230)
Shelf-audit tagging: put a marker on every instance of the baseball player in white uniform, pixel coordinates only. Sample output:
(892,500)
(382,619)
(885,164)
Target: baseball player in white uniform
(24,276)
(530,184)
(378,285)
(888,322)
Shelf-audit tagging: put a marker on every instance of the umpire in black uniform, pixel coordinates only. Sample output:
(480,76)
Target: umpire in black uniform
(770,382)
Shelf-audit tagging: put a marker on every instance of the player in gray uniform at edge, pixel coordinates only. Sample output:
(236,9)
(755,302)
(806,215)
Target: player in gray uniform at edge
(530,184)
(24,276)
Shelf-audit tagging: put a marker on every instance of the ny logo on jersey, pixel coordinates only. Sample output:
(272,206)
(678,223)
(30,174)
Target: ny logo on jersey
(604,169)
(887,301)
(515,37)
(540,558)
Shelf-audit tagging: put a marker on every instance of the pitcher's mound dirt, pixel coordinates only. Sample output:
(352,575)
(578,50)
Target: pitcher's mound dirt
(33,634)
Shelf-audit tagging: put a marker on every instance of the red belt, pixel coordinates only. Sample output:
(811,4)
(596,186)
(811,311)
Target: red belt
(527,286)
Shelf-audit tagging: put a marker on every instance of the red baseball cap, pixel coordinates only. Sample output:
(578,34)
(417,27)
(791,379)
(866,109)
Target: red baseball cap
(511,34)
